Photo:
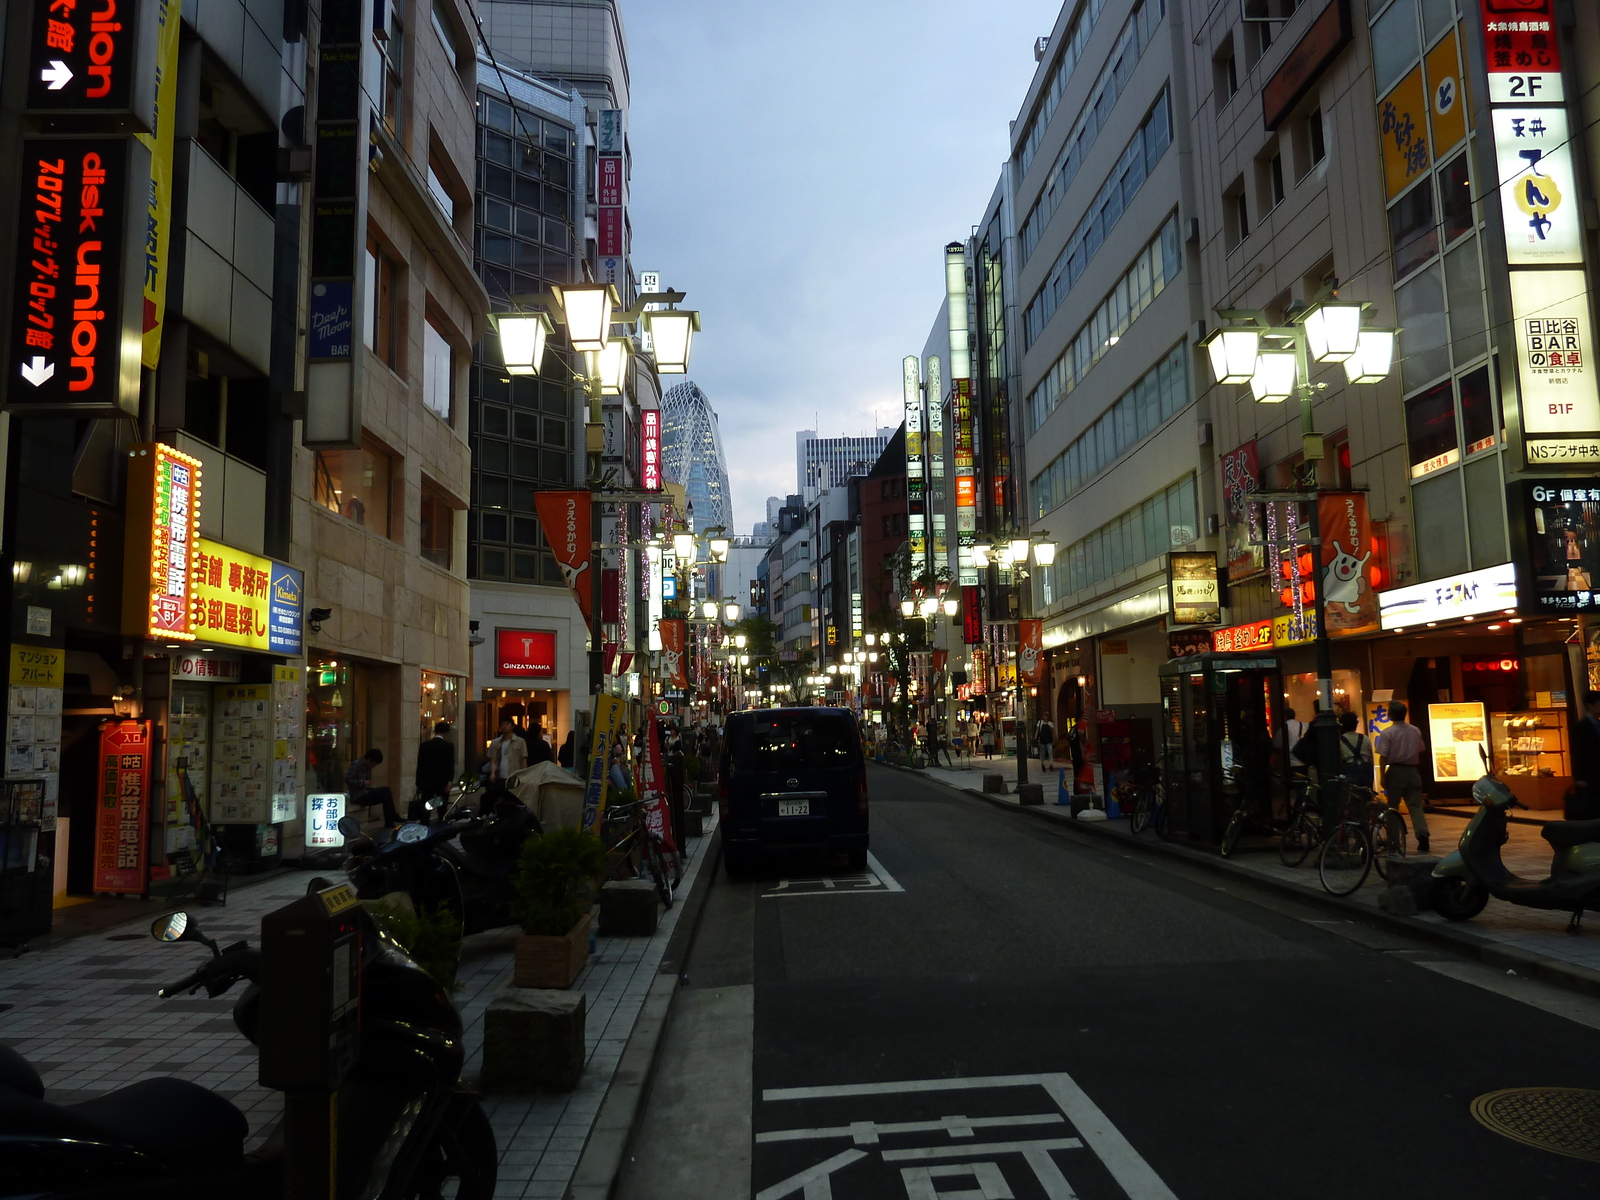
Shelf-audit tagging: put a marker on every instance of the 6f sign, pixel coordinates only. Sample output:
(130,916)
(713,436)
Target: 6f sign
(95,57)
(76,323)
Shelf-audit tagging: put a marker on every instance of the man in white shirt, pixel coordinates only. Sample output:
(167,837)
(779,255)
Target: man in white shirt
(1400,747)
(508,753)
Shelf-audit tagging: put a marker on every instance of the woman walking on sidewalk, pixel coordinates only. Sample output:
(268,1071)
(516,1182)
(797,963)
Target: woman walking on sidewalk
(1045,734)
(988,739)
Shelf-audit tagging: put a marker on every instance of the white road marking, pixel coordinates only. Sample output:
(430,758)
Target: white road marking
(991,1148)
(865,1133)
(813,1179)
(991,1183)
(877,869)
(1131,1172)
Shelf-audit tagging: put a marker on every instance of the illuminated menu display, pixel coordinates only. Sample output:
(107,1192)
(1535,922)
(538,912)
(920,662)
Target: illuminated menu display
(163,531)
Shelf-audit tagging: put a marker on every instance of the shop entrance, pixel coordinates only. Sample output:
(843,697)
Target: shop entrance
(338,720)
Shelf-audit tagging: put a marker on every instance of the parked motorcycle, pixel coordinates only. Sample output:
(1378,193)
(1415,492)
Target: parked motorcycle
(407,1126)
(1464,881)
(467,863)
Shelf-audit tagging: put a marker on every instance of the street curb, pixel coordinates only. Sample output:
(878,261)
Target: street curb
(600,1165)
(1494,954)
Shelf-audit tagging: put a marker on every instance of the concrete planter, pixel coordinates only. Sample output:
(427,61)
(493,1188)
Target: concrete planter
(533,1038)
(542,961)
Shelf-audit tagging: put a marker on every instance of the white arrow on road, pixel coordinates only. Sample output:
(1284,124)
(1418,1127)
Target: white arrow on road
(57,75)
(38,371)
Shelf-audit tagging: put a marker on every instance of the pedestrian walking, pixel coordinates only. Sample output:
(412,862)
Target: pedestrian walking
(436,768)
(972,740)
(1401,748)
(508,753)
(988,739)
(568,747)
(358,786)
(1583,800)
(1355,750)
(958,737)
(1044,733)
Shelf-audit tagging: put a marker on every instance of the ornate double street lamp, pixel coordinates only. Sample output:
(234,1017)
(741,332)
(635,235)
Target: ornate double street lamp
(1275,360)
(1014,551)
(588,311)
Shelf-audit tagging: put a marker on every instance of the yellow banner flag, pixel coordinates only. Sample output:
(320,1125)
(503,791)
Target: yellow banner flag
(158,223)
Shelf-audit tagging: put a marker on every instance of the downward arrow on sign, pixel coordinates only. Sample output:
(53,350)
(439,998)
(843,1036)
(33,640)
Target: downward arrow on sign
(38,371)
(57,75)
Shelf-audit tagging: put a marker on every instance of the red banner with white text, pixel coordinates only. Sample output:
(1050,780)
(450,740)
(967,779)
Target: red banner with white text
(121,805)
(565,517)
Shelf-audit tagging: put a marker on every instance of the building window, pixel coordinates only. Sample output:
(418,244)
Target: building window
(438,527)
(445,28)
(1314,139)
(381,331)
(1413,230)
(1431,430)
(1455,198)
(1275,170)
(391,43)
(355,484)
(440,193)
(438,371)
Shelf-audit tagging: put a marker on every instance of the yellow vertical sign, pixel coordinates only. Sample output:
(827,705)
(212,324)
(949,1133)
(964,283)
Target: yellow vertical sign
(1403,131)
(158,222)
(607,722)
(1447,100)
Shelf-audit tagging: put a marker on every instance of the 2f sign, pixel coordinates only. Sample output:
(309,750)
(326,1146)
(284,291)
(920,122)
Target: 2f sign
(1540,87)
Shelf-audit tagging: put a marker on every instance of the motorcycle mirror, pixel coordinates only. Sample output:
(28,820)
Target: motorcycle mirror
(179,927)
(349,826)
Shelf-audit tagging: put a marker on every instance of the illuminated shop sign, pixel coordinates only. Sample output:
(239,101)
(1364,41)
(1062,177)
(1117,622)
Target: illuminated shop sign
(242,599)
(1520,39)
(1555,544)
(77,316)
(96,57)
(1538,197)
(650,446)
(1491,590)
(1194,589)
(162,533)
(1555,348)
(525,653)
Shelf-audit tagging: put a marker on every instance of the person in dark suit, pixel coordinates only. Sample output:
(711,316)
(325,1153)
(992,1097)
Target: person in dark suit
(436,768)
(1583,801)
(538,749)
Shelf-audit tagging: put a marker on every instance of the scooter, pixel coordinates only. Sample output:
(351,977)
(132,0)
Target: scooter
(467,863)
(407,1126)
(1464,881)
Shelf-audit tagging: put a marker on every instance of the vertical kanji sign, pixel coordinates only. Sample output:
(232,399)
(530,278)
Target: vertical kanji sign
(124,800)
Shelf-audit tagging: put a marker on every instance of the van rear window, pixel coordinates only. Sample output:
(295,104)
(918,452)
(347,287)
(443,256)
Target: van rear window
(795,742)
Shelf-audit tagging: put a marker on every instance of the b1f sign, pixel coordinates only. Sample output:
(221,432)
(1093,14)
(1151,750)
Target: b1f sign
(77,317)
(1560,402)
(323,811)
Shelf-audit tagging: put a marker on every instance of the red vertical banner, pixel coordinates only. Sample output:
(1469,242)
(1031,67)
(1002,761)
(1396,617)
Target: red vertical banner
(972,614)
(650,449)
(1030,649)
(610,230)
(1349,602)
(672,664)
(610,595)
(565,517)
(657,813)
(124,802)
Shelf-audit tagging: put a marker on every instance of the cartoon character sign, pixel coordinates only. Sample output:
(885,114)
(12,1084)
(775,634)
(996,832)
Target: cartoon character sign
(672,671)
(1349,598)
(1030,649)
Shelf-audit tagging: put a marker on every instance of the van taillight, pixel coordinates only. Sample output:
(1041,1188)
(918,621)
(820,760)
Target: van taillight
(863,794)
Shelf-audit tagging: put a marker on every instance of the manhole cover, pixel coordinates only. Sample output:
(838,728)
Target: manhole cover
(1561,1120)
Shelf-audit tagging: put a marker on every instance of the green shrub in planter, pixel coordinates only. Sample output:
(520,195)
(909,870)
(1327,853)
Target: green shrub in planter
(692,767)
(551,874)
(431,937)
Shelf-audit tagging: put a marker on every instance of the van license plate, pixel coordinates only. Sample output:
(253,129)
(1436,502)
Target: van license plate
(794,808)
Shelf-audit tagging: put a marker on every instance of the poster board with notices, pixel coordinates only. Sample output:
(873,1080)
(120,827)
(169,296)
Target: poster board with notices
(288,745)
(1460,736)
(242,754)
(188,753)
(33,723)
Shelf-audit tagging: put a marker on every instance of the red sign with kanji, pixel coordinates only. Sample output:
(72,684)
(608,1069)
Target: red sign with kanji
(122,807)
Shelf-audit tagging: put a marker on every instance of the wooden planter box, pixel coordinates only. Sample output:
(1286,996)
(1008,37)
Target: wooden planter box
(551,962)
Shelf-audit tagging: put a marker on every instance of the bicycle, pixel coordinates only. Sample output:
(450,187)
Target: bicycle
(1304,829)
(1346,855)
(1146,802)
(637,849)
(1385,828)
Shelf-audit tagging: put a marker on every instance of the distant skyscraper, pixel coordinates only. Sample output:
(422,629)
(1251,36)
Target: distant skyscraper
(828,462)
(691,454)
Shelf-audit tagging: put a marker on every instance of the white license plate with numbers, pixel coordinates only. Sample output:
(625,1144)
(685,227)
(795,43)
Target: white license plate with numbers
(794,808)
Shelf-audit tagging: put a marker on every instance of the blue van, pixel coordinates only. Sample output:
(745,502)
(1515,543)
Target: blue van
(792,779)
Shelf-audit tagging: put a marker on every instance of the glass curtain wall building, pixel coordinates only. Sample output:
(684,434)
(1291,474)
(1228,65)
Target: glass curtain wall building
(523,429)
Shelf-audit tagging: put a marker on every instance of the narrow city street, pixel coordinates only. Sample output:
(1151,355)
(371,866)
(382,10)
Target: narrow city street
(1003,1008)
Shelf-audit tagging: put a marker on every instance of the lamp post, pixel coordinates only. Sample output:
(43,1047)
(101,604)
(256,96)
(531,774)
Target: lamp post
(1013,551)
(1276,362)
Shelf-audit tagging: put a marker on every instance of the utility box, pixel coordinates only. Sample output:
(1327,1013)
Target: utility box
(310,991)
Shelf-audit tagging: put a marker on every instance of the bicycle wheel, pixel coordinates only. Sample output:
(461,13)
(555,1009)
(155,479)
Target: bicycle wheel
(1139,815)
(1160,819)
(1345,859)
(1388,838)
(1298,839)
(1232,834)
(657,868)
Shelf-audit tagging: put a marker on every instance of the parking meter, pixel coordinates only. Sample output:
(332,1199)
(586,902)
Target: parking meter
(309,1025)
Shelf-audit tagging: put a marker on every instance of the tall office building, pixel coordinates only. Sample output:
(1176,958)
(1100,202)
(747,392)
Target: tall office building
(691,454)
(828,462)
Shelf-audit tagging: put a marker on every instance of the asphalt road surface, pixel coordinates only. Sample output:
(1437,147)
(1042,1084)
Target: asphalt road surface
(999,1008)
